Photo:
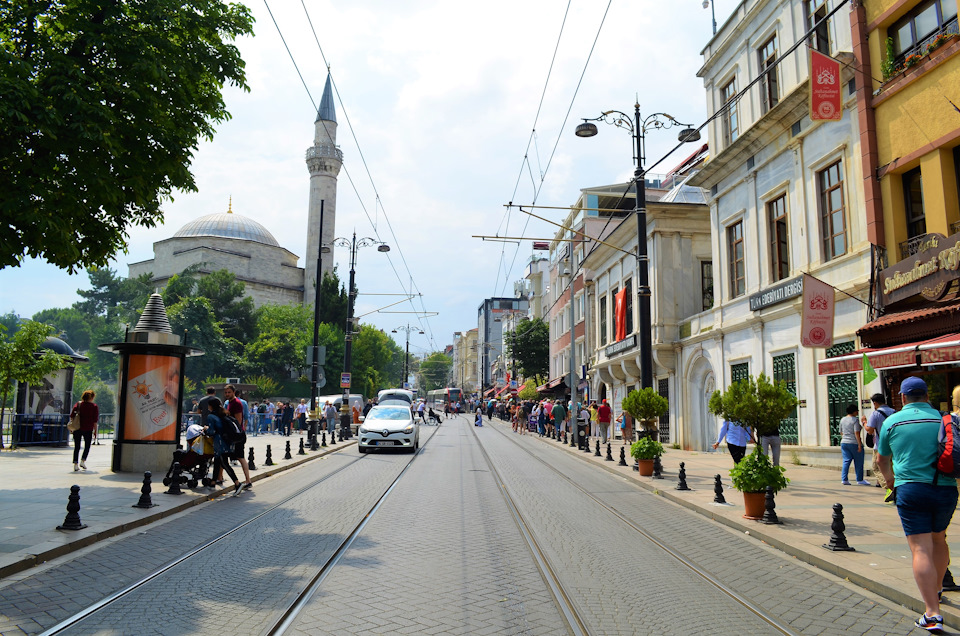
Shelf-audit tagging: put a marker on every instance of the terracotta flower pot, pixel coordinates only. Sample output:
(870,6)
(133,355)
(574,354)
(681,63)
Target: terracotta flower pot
(755,504)
(645,467)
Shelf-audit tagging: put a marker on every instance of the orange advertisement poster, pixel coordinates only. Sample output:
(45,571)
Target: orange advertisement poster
(153,389)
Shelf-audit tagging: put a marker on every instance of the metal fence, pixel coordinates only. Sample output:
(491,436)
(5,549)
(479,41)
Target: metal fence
(48,429)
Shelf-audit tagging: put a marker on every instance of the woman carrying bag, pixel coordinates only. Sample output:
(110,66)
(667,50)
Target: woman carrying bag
(88,414)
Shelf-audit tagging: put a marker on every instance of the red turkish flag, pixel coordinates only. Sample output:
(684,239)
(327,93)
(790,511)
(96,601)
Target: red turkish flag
(620,315)
(825,100)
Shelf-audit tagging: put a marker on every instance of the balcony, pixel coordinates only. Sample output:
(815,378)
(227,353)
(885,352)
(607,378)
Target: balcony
(917,244)
(954,227)
(920,48)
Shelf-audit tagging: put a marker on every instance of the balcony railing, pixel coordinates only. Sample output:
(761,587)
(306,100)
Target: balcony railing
(916,245)
(920,48)
(954,227)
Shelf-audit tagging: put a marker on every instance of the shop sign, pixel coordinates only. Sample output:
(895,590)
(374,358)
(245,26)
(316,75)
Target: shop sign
(927,273)
(622,345)
(777,294)
(941,355)
(816,324)
(826,103)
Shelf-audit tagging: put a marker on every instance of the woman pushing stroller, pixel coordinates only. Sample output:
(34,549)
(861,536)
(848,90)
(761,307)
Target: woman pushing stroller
(221,448)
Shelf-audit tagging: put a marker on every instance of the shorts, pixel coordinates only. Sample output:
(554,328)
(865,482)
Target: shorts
(925,508)
(237,452)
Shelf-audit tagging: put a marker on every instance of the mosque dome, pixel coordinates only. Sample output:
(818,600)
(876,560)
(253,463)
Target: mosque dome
(227,225)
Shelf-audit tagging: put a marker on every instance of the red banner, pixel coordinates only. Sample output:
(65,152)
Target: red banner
(620,315)
(825,89)
(817,322)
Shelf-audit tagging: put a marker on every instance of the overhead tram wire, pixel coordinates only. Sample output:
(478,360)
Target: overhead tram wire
(360,152)
(559,135)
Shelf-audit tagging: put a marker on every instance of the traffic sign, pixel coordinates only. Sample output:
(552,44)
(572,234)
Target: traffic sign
(344,380)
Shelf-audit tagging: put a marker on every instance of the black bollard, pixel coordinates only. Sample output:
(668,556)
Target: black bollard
(838,540)
(145,500)
(302,451)
(718,491)
(586,444)
(287,454)
(333,438)
(174,488)
(682,483)
(949,585)
(72,520)
(609,453)
(657,468)
(770,514)
(250,464)
(314,444)
(269,460)
(323,439)
(623,457)
(597,453)
(564,437)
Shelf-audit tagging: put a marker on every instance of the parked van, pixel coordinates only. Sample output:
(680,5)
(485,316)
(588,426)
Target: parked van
(356,400)
(393,396)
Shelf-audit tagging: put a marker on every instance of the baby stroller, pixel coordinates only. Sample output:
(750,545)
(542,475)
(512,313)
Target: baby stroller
(194,462)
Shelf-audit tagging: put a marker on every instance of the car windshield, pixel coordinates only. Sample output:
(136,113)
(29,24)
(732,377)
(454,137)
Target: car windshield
(390,413)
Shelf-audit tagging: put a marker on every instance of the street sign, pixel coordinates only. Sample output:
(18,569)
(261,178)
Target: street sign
(344,380)
(321,355)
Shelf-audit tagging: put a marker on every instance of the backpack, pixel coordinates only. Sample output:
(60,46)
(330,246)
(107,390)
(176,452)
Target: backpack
(232,433)
(948,459)
(871,440)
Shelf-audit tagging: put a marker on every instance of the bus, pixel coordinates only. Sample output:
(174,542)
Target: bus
(444,397)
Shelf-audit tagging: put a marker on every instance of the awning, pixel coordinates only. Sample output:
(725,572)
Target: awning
(552,384)
(939,350)
(489,392)
(506,390)
(926,322)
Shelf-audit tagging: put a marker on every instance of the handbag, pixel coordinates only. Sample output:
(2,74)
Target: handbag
(74,424)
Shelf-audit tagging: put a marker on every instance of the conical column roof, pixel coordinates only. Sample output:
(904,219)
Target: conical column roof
(154,317)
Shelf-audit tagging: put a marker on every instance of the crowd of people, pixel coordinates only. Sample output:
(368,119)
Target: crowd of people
(551,417)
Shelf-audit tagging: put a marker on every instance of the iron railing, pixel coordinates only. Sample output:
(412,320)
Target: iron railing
(954,227)
(920,48)
(915,245)
(48,429)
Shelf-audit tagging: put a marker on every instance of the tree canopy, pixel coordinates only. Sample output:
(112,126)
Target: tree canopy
(529,345)
(104,104)
(18,362)
(434,371)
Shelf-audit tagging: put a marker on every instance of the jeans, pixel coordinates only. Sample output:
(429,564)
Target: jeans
(850,453)
(331,425)
(773,443)
(736,452)
(77,436)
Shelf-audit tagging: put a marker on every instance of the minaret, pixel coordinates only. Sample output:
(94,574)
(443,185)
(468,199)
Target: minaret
(323,161)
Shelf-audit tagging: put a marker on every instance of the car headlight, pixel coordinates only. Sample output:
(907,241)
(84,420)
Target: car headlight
(362,431)
(409,429)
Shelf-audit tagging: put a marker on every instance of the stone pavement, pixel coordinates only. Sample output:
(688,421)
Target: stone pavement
(881,562)
(35,482)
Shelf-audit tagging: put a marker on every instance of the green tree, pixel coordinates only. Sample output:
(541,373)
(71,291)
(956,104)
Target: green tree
(11,322)
(19,362)
(196,317)
(106,391)
(434,371)
(759,404)
(371,355)
(529,390)
(234,311)
(70,325)
(116,299)
(104,105)
(266,387)
(333,300)
(280,346)
(529,345)
(645,406)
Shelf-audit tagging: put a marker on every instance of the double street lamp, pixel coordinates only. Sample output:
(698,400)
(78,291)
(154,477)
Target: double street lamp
(638,128)
(353,245)
(406,358)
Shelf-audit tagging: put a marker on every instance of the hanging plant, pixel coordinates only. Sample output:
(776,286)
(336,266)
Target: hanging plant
(887,67)
(912,60)
(939,41)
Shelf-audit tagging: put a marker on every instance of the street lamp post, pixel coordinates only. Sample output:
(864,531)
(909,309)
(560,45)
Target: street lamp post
(406,358)
(353,245)
(638,128)
(315,367)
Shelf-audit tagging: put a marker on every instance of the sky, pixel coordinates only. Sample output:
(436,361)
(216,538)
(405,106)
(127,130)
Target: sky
(441,97)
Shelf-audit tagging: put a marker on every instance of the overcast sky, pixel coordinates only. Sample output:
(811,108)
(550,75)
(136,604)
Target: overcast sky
(442,97)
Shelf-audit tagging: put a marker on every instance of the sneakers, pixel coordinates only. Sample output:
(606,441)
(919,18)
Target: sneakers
(248,486)
(83,464)
(237,489)
(76,467)
(863,483)
(930,623)
(890,497)
(845,483)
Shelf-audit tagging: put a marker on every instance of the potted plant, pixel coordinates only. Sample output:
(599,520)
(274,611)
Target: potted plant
(646,406)
(752,476)
(645,450)
(761,405)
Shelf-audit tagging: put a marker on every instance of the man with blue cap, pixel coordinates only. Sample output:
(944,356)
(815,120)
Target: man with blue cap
(908,451)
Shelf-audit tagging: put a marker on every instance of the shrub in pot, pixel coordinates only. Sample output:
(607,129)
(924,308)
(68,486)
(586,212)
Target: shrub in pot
(646,406)
(645,450)
(751,476)
(759,404)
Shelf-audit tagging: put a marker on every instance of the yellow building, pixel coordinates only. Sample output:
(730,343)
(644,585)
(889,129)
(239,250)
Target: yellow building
(909,110)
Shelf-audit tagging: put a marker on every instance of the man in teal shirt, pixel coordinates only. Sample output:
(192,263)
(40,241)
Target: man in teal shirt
(907,456)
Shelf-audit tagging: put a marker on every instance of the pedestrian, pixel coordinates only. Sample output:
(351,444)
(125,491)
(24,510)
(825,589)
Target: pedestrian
(287,421)
(737,436)
(222,449)
(261,417)
(479,419)
(301,413)
(594,419)
(237,407)
(873,426)
(559,414)
(330,414)
(422,411)
(89,416)
(909,447)
(770,445)
(583,430)
(626,427)
(203,406)
(271,411)
(603,419)
(851,446)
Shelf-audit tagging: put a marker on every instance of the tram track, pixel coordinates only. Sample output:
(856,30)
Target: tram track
(563,598)
(302,598)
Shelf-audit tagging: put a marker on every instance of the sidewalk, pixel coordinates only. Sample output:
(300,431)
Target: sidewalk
(35,484)
(881,562)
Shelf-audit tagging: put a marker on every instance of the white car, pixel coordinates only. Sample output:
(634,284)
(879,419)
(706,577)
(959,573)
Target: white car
(389,426)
